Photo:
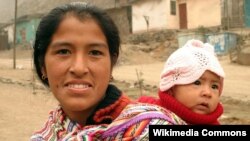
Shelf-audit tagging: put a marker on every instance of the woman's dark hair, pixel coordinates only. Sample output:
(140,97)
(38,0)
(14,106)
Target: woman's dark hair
(49,24)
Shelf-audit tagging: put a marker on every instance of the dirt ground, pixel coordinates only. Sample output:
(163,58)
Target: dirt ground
(24,103)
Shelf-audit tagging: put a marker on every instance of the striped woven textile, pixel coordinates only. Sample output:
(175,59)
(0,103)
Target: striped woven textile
(132,124)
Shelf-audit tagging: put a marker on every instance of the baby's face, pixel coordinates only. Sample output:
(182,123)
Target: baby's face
(201,96)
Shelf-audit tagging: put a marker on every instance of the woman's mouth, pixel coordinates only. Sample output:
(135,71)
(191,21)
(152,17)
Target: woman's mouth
(78,86)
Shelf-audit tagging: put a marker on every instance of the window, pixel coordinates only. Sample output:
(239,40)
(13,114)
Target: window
(173,7)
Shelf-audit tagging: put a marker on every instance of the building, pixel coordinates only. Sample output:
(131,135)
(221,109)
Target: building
(189,14)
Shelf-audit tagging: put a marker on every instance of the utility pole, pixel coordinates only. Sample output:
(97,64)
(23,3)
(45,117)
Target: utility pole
(228,17)
(14,42)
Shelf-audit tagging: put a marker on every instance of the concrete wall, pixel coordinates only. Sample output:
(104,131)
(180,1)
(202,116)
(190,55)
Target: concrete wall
(25,31)
(157,12)
(122,19)
(4,41)
(247,13)
(10,30)
(203,12)
(172,20)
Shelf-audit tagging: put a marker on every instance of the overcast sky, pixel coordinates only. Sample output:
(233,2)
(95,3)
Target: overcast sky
(7,10)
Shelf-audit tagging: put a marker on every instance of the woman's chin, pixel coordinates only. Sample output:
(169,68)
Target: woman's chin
(76,107)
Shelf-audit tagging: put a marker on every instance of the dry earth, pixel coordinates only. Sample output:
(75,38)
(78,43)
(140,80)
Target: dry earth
(24,103)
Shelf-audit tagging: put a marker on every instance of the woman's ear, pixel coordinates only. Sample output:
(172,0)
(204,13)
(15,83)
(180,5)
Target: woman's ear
(44,73)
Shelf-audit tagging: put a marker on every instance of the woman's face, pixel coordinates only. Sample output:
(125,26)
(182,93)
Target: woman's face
(78,65)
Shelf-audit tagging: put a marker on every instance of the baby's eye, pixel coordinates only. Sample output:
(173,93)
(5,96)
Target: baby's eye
(197,82)
(95,52)
(215,86)
(63,51)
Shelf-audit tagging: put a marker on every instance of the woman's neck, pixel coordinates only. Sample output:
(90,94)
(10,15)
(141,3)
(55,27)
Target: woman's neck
(79,117)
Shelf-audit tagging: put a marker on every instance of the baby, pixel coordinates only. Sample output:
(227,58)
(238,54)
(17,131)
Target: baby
(191,84)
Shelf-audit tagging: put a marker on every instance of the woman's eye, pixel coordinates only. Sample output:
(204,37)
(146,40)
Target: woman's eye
(95,52)
(197,82)
(63,51)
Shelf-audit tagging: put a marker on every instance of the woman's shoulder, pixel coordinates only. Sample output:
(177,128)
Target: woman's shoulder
(141,111)
(134,121)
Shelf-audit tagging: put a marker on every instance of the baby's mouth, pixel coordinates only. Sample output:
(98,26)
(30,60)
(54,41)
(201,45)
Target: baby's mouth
(203,105)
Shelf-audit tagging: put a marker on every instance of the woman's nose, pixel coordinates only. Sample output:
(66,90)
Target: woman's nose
(79,65)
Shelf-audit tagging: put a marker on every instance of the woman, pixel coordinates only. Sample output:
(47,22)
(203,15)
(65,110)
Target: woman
(76,48)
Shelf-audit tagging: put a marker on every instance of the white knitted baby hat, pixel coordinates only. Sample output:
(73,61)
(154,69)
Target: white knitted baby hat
(187,64)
